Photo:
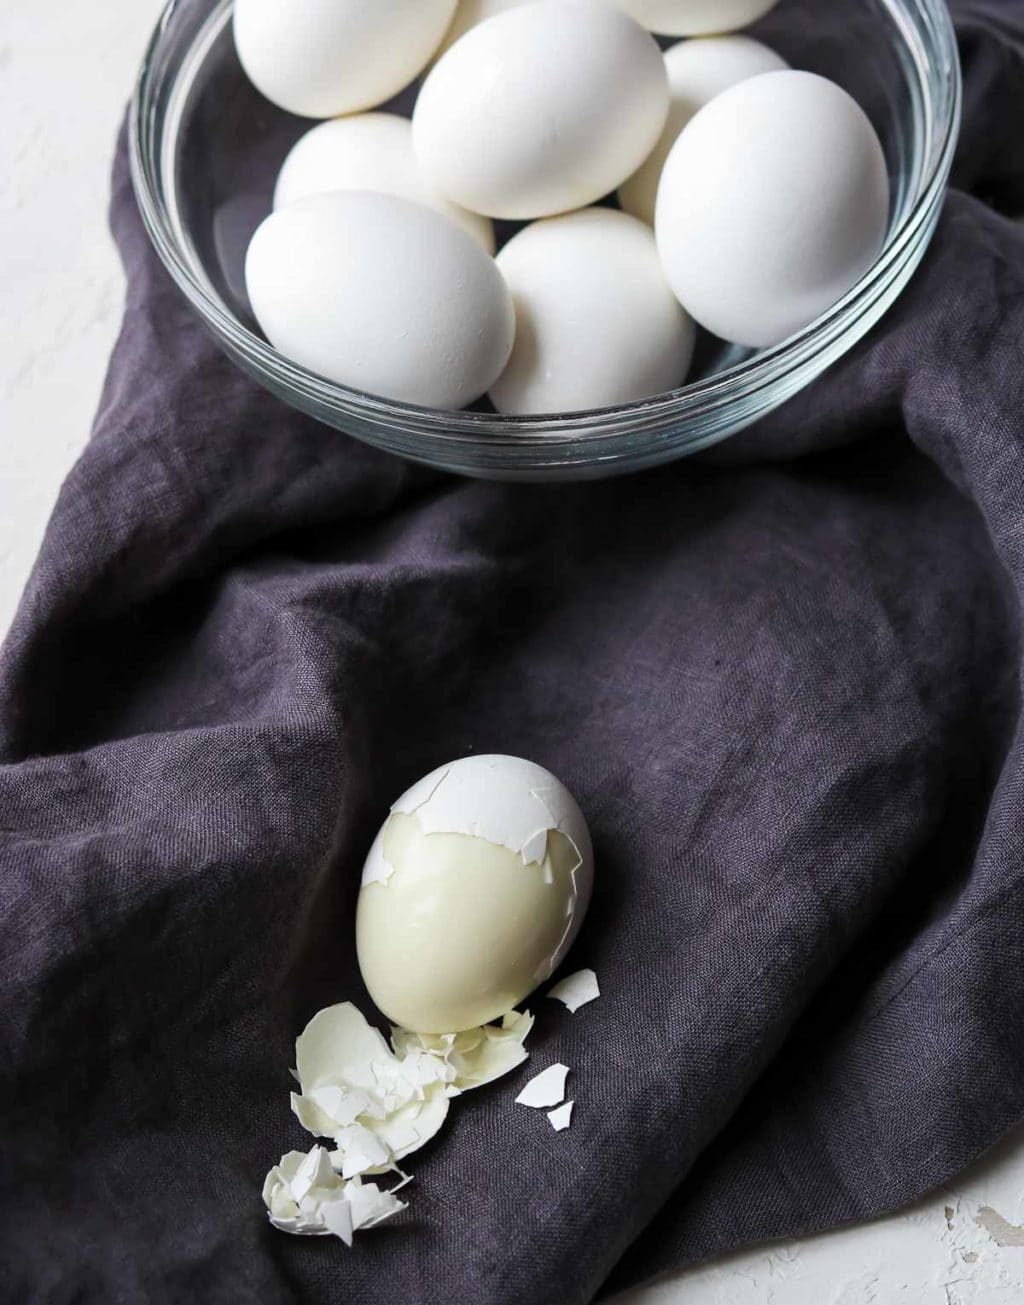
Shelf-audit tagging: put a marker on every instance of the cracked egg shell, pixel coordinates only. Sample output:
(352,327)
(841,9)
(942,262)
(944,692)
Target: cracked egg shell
(472,894)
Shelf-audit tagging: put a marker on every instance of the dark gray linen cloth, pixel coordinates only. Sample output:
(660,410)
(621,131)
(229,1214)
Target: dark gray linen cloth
(785,691)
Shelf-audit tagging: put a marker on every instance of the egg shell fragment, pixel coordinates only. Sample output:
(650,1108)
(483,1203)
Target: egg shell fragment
(376,1106)
(472,796)
(381,294)
(597,324)
(472,893)
(474,1057)
(304,1196)
(773,203)
(695,17)
(576,990)
(368,151)
(698,70)
(321,58)
(561,1118)
(545,1089)
(542,109)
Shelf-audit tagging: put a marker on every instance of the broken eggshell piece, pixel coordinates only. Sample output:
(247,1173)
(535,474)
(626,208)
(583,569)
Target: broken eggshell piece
(576,990)
(473,1057)
(304,1196)
(376,1107)
(472,893)
(379,1103)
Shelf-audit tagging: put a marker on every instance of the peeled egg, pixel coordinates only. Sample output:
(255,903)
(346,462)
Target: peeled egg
(773,203)
(698,70)
(381,294)
(472,893)
(541,109)
(695,17)
(320,58)
(368,151)
(597,324)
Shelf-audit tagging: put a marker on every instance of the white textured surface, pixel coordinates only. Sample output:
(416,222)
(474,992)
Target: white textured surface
(65,71)
(939,1252)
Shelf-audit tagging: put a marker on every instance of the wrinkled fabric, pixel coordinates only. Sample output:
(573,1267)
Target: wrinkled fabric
(782,682)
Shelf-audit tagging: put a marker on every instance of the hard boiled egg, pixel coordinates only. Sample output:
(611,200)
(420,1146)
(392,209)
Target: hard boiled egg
(472,893)
(320,58)
(698,70)
(773,203)
(597,324)
(472,12)
(541,109)
(368,151)
(381,294)
(695,17)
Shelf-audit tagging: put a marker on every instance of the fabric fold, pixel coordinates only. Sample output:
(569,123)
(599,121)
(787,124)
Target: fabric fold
(785,691)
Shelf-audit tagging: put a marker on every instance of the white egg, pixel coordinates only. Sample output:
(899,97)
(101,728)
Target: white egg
(472,893)
(542,109)
(368,151)
(596,322)
(319,58)
(695,17)
(773,203)
(470,13)
(381,294)
(698,70)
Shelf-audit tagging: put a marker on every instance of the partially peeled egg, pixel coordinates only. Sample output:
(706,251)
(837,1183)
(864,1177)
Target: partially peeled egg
(472,893)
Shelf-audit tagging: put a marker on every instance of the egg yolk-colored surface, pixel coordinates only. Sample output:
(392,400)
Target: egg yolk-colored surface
(462,930)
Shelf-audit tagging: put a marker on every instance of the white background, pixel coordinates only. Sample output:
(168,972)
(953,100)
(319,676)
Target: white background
(65,72)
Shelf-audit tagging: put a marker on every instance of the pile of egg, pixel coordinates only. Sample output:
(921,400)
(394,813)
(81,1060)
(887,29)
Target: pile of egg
(750,197)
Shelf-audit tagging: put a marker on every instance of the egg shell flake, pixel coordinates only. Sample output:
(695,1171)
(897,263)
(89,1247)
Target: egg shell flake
(576,990)
(380,1103)
(507,801)
(305,1196)
(561,1118)
(376,1107)
(333,1042)
(545,1089)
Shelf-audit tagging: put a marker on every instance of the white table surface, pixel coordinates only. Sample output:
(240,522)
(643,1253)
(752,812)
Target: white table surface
(65,73)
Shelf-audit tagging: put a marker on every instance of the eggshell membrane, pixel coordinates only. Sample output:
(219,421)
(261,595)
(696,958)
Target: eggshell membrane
(368,151)
(541,109)
(695,17)
(698,70)
(472,893)
(773,202)
(320,58)
(381,294)
(597,323)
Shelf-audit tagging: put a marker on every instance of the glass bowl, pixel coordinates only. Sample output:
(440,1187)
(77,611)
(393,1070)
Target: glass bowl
(206,147)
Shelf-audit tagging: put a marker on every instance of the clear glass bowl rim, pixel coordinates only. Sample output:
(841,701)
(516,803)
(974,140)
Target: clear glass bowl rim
(455,435)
